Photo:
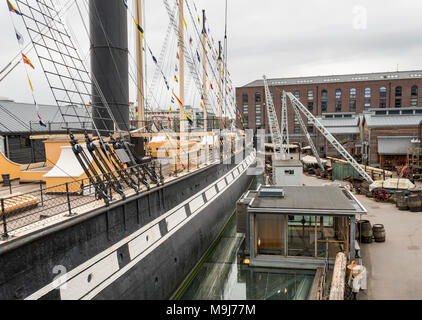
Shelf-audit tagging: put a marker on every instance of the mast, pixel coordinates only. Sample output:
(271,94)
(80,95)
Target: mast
(220,61)
(204,65)
(140,63)
(181,67)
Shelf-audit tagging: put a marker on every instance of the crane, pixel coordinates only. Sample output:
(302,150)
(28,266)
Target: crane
(337,145)
(307,135)
(284,124)
(279,152)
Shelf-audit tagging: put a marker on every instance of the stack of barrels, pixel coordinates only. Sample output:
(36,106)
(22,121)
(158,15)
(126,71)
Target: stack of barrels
(412,202)
(366,233)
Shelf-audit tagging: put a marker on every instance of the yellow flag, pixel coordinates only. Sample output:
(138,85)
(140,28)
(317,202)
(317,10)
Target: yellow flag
(30,84)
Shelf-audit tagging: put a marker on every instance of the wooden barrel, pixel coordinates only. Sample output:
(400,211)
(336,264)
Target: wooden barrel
(365,231)
(398,195)
(379,232)
(414,202)
(402,203)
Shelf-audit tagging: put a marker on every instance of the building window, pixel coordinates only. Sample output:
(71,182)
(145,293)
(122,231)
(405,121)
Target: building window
(383,103)
(296,120)
(245,109)
(367,105)
(296,130)
(311,130)
(398,103)
(258,121)
(297,94)
(272,96)
(25,142)
(258,109)
(310,95)
(324,106)
(245,98)
(399,91)
(338,106)
(383,92)
(368,93)
(353,93)
(414,91)
(324,95)
(257,97)
(338,94)
(414,102)
(352,105)
(310,106)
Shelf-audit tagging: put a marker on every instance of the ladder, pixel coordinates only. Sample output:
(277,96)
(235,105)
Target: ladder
(297,104)
(279,152)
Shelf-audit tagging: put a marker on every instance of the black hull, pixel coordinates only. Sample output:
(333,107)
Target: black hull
(135,249)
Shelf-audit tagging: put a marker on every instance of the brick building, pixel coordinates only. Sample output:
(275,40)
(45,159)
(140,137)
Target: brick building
(331,94)
(347,105)
(387,135)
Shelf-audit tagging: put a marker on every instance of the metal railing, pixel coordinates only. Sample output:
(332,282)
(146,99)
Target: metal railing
(19,210)
(26,211)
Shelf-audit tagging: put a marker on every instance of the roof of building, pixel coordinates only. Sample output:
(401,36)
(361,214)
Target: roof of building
(394,145)
(321,199)
(379,76)
(22,117)
(340,123)
(392,117)
(287,163)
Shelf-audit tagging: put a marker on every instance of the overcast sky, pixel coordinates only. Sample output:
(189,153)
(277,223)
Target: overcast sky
(278,38)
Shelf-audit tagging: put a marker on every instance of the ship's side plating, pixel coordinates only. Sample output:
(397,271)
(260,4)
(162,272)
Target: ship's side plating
(140,248)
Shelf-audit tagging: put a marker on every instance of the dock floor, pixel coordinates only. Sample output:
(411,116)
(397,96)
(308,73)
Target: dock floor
(394,267)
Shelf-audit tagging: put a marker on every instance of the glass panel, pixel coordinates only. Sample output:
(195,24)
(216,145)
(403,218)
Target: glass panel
(301,236)
(245,109)
(310,95)
(414,102)
(269,234)
(353,93)
(331,236)
(383,92)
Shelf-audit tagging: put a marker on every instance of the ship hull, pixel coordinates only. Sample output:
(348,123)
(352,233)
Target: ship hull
(140,248)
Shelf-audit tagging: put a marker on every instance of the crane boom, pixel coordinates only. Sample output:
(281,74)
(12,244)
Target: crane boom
(284,124)
(329,137)
(276,139)
(308,137)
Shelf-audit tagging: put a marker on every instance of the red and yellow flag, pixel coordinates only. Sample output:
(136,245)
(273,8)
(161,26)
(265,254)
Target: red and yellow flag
(27,61)
(180,102)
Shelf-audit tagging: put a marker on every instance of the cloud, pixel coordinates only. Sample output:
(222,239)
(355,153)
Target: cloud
(278,38)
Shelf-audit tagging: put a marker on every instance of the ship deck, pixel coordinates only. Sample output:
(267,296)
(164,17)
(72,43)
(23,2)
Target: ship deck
(53,208)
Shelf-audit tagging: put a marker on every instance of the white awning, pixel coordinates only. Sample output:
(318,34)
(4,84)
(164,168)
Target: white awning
(394,145)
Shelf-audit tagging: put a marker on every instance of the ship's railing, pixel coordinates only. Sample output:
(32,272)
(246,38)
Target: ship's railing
(24,211)
(19,210)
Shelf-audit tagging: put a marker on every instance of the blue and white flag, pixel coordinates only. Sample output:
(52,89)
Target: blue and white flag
(19,37)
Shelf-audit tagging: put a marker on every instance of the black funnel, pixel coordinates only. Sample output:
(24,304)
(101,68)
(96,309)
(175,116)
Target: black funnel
(109,63)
